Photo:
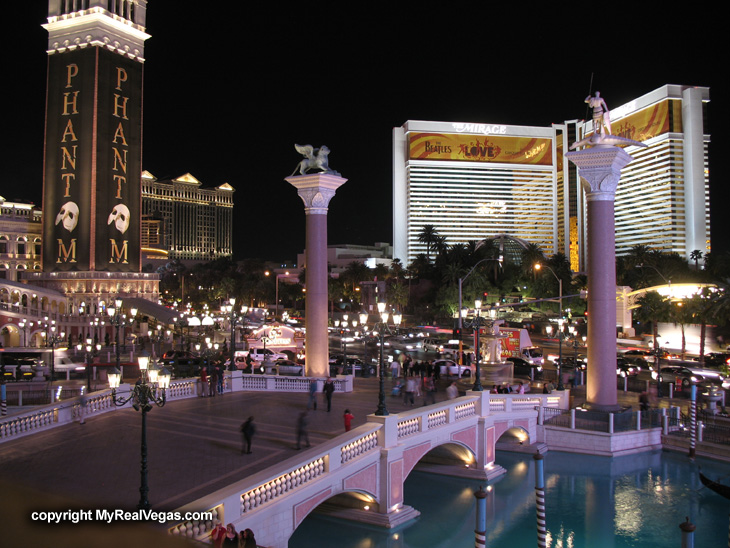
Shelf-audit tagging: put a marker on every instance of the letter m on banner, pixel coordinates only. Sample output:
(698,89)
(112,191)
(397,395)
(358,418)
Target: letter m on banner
(118,255)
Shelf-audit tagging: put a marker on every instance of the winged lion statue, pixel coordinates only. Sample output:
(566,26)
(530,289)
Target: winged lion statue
(314,158)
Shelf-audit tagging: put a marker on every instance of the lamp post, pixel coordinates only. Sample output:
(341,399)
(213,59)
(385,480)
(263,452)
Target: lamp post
(343,338)
(89,355)
(156,337)
(476,325)
(561,335)
(363,322)
(119,321)
(53,340)
(382,327)
(461,283)
(142,395)
(234,320)
(539,266)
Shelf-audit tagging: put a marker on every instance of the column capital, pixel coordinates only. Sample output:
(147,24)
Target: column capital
(316,190)
(600,170)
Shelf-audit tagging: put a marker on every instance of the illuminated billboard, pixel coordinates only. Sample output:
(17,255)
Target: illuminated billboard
(93,162)
(481,148)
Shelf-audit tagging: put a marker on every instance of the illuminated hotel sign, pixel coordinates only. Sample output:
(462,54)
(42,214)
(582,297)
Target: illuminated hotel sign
(474,148)
(91,194)
(484,129)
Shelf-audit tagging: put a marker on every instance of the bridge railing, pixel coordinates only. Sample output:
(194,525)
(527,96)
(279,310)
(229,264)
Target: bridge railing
(232,503)
(254,492)
(66,411)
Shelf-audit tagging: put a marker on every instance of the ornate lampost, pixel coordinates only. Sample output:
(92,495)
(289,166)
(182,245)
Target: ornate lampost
(234,320)
(143,394)
(382,327)
(476,324)
(561,336)
(88,349)
(156,337)
(119,321)
(53,339)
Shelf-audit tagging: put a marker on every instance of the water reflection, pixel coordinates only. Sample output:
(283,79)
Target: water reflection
(638,500)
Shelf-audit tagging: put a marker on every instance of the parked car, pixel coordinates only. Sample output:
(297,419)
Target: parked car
(266,354)
(289,367)
(451,368)
(684,376)
(354,366)
(572,362)
(625,368)
(451,350)
(405,344)
(523,367)
(182,364)
(432,345)
(717,359)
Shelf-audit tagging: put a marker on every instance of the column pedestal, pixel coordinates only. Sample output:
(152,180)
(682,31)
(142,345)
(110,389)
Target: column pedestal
(600,171)
(316,191)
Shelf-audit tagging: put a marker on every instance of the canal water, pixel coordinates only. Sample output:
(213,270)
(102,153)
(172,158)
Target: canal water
(592,502)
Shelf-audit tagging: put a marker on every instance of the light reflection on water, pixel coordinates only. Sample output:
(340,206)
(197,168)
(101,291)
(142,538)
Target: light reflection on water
(632,501)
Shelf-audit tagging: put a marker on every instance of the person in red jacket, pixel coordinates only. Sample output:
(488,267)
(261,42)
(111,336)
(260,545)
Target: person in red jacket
(348,420)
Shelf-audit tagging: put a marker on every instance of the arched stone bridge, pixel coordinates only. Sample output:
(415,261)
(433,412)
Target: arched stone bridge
(372,462)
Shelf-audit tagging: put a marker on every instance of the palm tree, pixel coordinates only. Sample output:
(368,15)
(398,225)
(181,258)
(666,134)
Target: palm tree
(701,305)
(680,313)
(652,308)
(695,256)
(531,255)
(428,236)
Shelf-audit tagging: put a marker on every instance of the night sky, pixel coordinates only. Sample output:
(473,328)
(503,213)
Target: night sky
(229,90)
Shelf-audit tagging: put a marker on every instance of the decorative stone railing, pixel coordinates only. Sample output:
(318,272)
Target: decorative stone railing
(67,411)
(272,484)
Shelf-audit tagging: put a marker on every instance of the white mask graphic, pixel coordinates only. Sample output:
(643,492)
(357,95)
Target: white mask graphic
(69,216)
(120,217)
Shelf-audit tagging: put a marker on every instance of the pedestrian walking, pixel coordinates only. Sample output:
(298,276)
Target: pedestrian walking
(644,401)
(221,376)
(348,420)
(452,391)
(312,402)
(328,389)
(411,387)
(394,370)
(83,402)
(213,381)
(248,429)
(429,390)
(204,382)
(302,434)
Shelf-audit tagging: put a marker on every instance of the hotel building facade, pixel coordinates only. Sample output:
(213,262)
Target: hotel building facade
(474,181)
(183,220)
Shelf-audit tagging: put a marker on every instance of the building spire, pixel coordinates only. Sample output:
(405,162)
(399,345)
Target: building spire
(118,25)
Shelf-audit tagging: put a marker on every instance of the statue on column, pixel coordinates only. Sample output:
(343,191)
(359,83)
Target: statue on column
(601,117)
(314,158)
(602,121)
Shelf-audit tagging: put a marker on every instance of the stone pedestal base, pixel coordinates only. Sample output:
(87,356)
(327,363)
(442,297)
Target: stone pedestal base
(391,520)
(478,474)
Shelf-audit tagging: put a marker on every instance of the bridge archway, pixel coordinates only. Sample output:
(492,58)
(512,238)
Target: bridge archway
(514,436)
(455,455)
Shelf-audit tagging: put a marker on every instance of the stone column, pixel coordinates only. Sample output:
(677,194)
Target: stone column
(600,171)
(316,191)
